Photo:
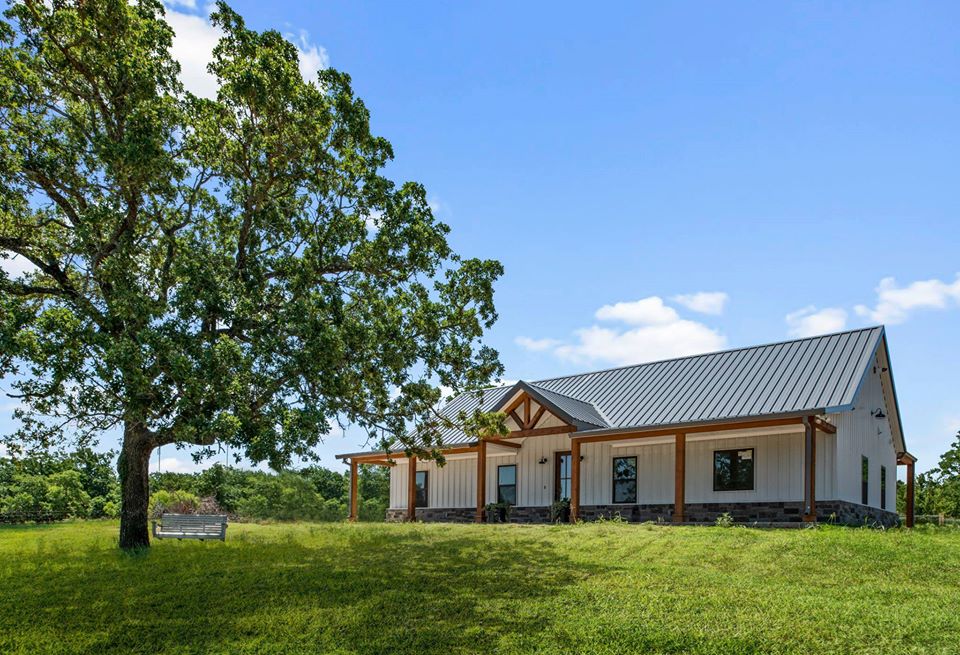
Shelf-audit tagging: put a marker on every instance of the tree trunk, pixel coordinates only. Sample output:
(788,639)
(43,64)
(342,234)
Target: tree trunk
(134,487)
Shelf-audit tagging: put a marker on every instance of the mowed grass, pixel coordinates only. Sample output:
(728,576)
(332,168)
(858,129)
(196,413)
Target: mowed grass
(595,588)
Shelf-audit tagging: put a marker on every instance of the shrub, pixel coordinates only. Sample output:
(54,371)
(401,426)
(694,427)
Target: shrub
(371,509)
(173,502)
(724,520)
(560,511)
(21,503)
(498,512)
(254,506)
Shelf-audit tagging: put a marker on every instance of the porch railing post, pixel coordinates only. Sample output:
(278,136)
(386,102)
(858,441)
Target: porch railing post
(481,480)
(412,490)
(809,469)
(574,481)
(910,491)
(353,489)
(680,479)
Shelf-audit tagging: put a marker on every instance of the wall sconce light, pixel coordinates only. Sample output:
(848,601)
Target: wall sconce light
(542,460)
(878,413)
(582,458)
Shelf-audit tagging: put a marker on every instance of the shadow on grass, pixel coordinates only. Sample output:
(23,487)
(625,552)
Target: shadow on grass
(335,590)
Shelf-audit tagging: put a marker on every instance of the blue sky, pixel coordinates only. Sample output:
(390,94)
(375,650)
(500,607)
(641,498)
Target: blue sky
(796,161)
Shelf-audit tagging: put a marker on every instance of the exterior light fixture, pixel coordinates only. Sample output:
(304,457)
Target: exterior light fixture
(878,413)
(542,460)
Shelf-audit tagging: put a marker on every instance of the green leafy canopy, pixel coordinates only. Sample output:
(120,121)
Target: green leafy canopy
(234,270)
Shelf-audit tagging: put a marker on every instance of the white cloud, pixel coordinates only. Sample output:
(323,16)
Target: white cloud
(16,266)
(895,303)
(810,321)
(373,220)
(193,43)
(643,344)
(537,345)
(705,302)
(313,58)
(646,311)
(173,465)
(195,38)
(437,206)
(655,331)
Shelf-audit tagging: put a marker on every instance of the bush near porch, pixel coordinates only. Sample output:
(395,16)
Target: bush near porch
(364,588)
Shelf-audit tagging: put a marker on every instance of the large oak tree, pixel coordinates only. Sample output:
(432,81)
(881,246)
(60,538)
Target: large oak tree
(234,271)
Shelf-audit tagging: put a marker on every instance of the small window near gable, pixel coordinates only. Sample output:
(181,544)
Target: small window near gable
(733,470)
(421,489)
(624,480)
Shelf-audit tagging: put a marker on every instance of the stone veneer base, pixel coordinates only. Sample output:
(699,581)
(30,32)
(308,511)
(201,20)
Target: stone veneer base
(828,511)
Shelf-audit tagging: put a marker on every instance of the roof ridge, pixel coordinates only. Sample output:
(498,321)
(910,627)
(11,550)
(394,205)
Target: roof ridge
(713,352)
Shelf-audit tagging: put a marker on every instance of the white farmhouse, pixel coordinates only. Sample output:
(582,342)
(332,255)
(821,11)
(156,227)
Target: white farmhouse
(804,430)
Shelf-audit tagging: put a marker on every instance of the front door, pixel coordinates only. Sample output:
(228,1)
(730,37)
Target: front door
(561,476)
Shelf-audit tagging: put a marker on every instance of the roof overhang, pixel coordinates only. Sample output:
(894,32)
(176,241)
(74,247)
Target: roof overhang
(544,399)
(740,422)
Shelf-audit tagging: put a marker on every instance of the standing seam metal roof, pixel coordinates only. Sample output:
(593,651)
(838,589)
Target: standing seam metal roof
(816,374)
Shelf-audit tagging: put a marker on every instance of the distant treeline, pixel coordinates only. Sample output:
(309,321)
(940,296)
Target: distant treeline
(310,494)
(84,484)
(937,491)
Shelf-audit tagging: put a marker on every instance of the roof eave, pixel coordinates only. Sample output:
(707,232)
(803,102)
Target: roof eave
(679,427)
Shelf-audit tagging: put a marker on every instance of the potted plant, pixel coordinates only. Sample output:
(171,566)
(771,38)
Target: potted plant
(560,511)
(498,512)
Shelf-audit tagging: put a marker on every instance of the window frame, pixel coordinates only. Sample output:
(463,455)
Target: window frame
(557,478)
(614,480)
(883,487)
(514,485)
(864,480)
(736,452)
(426,488)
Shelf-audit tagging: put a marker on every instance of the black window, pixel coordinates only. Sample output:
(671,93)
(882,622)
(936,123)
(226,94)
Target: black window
(864,480)
(421,489)
(733,470)
(562,476)
(624,479)
(507,484)
(883,487)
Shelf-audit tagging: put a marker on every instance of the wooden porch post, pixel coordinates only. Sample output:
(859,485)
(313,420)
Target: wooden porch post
(412,490)
(353,489)
(481,480)
(909,499)
(680,478)
(809,469)
(574,481)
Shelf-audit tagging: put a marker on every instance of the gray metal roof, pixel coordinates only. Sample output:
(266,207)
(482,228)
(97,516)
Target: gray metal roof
(815,375)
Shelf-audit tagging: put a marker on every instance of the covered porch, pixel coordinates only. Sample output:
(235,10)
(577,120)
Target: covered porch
(540,431)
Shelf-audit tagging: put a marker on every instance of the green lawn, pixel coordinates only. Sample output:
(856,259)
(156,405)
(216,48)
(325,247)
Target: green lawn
(603,588)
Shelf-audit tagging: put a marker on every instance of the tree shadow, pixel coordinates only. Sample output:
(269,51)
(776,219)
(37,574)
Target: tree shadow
(354,589)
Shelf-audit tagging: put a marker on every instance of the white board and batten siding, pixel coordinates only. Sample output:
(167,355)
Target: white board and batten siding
(861,434)
(778,470)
